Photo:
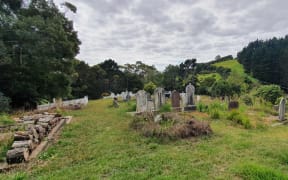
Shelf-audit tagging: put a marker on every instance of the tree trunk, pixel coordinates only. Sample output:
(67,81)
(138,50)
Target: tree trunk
(17,155)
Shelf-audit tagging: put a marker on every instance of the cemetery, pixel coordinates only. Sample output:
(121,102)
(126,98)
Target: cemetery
(221,132)
(146,93)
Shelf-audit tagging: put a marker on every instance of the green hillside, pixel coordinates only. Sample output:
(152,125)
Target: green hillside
(234,65)
(237,70)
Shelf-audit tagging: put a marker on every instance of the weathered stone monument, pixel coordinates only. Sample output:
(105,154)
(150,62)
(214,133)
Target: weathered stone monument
(115,102)
(183,99)
(159,96)
(190,99)
(233,105)
(128,97)
(282,109)
(125,96)
(141,101)
(175,100)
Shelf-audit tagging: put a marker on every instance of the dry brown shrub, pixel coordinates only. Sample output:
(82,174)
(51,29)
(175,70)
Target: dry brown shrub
(179,128)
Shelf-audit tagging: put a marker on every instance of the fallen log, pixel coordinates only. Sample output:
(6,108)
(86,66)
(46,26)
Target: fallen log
(17,155)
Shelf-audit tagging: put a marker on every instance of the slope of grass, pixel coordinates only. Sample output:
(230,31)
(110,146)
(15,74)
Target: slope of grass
(201,77)
(237,74)
(234,65)
(99,145)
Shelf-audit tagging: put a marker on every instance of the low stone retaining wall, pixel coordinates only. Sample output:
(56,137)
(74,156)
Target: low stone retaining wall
(38,128)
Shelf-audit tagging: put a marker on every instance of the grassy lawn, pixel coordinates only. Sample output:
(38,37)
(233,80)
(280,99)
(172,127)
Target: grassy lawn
(99,145)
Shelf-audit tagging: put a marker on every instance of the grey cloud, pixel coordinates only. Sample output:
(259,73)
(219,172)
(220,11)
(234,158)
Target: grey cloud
(165,31)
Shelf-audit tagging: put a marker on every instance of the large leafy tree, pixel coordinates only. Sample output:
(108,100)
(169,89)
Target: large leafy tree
(39,46)
(172,79)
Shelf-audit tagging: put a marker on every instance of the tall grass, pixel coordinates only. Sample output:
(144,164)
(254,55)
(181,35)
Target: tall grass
(255,171)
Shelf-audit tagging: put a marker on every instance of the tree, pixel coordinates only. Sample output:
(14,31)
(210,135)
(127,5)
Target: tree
(39,47)
(269,93)
(267,60)
(4,103)
(150,87)
(172,79)
(205,85)
(188,72)
(223,88)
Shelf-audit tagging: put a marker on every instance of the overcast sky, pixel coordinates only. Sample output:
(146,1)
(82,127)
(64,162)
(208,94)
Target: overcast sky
(162,32)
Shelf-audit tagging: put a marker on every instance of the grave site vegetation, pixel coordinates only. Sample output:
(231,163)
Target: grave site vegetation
(104,142)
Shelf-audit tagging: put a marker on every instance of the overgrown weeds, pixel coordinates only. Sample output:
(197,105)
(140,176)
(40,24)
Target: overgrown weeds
(238,118)
(172,126)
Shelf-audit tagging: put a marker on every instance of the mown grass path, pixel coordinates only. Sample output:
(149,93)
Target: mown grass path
(98,144)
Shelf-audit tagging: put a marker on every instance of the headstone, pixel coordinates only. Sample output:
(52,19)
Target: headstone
(190,99)
(282,109)
(175,100)
(183,99)
(115,102)
(233,105)
(150,106)
(159,96)
(128,97)
(198,98)
(112,95)
(141,101)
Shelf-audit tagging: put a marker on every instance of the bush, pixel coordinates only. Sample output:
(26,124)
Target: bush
(131,107)
(6,120)
(214,114)
(165,108)
(150,87)
(236,117)
(269,93)
(202,107)
(4,103)
(215,109)
(105,94)
(247,100)
(172,127)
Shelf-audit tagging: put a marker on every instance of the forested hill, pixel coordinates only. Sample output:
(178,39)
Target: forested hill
(267,61)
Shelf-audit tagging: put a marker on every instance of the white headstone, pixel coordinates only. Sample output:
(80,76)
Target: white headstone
(159,95)
(183,99)
(282,109)
(190,91)
(141,101)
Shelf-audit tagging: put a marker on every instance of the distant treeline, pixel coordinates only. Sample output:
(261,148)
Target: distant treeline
(267,60)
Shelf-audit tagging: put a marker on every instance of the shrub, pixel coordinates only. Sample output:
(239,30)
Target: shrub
(214,114)
(172,127)
(105,94)
(215,109)
(150,87)
(131,107)
(165,108)
(269,93)
(6,120)
(4,103)
(247,100)
(236,117)
(201,107)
